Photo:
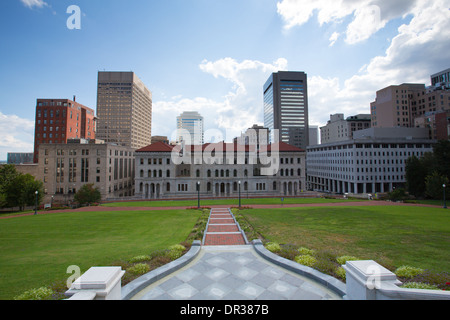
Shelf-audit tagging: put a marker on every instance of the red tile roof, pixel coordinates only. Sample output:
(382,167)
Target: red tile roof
(220,146)
(157,147)
(284,147)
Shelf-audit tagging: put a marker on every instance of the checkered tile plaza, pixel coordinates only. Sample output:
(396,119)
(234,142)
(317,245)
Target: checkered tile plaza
(227,268)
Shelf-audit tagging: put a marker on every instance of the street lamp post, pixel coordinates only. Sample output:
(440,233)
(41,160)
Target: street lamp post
(36,203)
(445,205)
(239,194)
(198,193)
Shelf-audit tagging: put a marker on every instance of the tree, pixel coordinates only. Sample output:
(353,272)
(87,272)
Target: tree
(21,191)
(7,175)
(434,184)
(88,194)
(415,174)
(441,152)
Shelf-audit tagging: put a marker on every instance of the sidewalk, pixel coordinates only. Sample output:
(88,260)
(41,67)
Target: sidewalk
(227,268)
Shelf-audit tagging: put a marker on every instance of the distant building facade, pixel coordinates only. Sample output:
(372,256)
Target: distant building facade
(58,120)
(313,135)
(401,105)
(340,129)
(20,157)
(373,161)
(168,172)
(286,107)
(160,139)
(254,136)
(441,79)
(124,109)
(190,128)
(65,168)
(437,123)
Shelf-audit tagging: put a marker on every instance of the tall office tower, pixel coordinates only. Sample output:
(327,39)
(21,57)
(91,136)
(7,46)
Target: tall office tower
(286,107)
(124,110)
(58,120)
(190,126)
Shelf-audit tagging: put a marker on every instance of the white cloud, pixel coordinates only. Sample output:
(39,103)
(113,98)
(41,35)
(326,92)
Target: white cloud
(369,16)
(298,12)
(34,3)
(239,109)
(367,22)
(17,135)
(334,37)
(420,49)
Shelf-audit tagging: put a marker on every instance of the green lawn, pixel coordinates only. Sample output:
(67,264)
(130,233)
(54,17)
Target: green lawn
(226,202)
(390,235)
(37,250)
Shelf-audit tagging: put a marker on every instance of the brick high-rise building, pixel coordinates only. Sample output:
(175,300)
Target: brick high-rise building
(58,120)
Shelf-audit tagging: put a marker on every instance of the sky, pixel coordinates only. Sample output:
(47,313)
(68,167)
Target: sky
(214,56)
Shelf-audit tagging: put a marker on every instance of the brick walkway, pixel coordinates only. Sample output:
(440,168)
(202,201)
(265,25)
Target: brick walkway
(222,229)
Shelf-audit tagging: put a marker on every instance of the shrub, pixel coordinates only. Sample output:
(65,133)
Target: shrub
(42,293)
(139,259)
(340,272)
(408,272)
(306,251)
(419,285)
(177,247)
(176,251)
(306,260)
(273,247)
(140,268)
(343,259)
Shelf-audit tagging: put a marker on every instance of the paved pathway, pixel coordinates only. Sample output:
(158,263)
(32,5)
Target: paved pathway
(227,268)
(222,229)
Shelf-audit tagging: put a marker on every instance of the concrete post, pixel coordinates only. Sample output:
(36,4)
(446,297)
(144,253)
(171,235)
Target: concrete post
(363,278)
(98,283)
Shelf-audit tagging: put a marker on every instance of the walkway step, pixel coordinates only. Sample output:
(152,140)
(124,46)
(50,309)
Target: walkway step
(222,229)
(224,239)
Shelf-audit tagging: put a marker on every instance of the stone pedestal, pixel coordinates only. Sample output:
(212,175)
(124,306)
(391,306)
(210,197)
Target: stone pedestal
(364,277)
(98,283)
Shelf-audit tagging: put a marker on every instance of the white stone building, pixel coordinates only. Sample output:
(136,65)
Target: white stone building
(221,170)
(373,161)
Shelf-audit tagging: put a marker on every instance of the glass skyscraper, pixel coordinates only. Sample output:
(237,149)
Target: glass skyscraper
(286,107)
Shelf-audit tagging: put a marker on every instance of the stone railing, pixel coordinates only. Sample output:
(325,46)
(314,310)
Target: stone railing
(367,280)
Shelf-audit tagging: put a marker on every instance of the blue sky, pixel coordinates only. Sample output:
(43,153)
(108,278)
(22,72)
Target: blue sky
(213,56)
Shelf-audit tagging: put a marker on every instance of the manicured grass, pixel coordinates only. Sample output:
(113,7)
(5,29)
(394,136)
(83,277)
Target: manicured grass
(37,250)
(390,235)
(227,202)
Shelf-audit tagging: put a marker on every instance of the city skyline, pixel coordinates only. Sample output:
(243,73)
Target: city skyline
(215,57)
